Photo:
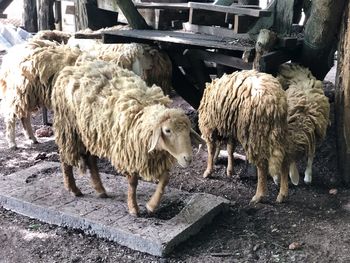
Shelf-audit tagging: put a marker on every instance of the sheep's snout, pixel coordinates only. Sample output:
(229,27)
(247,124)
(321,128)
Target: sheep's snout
(185,160)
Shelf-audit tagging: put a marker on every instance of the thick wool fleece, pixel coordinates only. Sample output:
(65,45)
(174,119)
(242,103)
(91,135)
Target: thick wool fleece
(112,113)
(251,107)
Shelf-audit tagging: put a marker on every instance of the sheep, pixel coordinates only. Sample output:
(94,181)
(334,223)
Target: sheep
(250,108)
(152,65)
(103,110)
(26,78)
(308,116)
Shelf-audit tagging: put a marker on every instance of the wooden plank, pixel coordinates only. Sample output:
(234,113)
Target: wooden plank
(4,4)
(269,62)
(3,15)
(230,9)
(181,39)
(88,36)
(222,59)
(176,6)
(212,30)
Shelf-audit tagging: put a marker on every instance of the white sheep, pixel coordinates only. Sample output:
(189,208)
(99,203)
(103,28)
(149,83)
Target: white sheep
(103,110)
(26,77)
(249,108)
(308,116)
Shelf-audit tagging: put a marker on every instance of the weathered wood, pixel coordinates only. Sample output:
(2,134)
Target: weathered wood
(269,62)
(230,9)
(45,14)
(342,98)
(58,15)
(320,36)
(212,30)
(134,18)
(176,6)
(186,40)
(30,17)
(4,4)
(222,59)
(284,17)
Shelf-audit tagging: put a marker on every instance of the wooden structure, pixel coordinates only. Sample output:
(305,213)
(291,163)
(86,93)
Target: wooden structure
(213,40)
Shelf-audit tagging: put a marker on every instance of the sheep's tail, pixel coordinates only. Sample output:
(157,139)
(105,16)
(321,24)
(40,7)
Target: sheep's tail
(293,173)
(275,161)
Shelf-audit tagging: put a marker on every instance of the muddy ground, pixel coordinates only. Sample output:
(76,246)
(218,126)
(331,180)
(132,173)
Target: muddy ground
(315,219)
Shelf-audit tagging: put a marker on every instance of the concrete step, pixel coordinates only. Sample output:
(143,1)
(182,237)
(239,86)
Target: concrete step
(38,192)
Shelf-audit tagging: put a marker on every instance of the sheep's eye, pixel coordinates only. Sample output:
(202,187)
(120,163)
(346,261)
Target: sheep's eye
(167,131)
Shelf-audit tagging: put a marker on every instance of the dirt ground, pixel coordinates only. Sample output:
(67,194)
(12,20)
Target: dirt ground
(315,219)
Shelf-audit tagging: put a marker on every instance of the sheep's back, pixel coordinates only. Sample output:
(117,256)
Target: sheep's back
(249,105)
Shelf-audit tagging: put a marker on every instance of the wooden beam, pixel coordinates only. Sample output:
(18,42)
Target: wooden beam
(222,59)
(30,17)
(269,62)
(230,9)
(175,6)
(212,30)
(173,38)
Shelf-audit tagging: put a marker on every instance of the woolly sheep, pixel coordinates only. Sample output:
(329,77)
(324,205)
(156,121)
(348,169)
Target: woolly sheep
(150,64)
(26,78)
(250,108)
(308,116)
(103,110)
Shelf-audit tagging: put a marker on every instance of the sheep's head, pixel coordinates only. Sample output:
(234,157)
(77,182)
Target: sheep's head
(173,134)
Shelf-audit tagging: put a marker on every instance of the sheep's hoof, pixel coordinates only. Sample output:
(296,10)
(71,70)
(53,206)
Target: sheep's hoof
(134,212)
(150,209)
(102,195)
(256,199)
(307,180)
(229,173)
(34,142)
(12,146)
(281,198)
(206,174)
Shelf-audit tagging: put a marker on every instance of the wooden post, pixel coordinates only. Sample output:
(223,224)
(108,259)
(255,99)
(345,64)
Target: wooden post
(135,20)
(45,14)
(320,38)
(30,17)
(342,98)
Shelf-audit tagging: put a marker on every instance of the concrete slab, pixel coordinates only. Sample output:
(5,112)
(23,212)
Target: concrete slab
(38,192)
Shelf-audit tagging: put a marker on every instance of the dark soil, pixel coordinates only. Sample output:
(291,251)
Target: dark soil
(315,219)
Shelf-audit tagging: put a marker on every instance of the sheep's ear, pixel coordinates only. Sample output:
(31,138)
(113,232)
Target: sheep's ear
(155,138)
(196,138)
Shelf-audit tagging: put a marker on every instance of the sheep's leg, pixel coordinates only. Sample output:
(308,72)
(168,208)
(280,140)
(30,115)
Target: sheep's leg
(69,181)
(283,193)
(211,152)
(132,202)
(217,152)
(95,177)
(153,203)
(293,173)
(10,132)
(261,189)
(28,130)
(230,159)
(308,171)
